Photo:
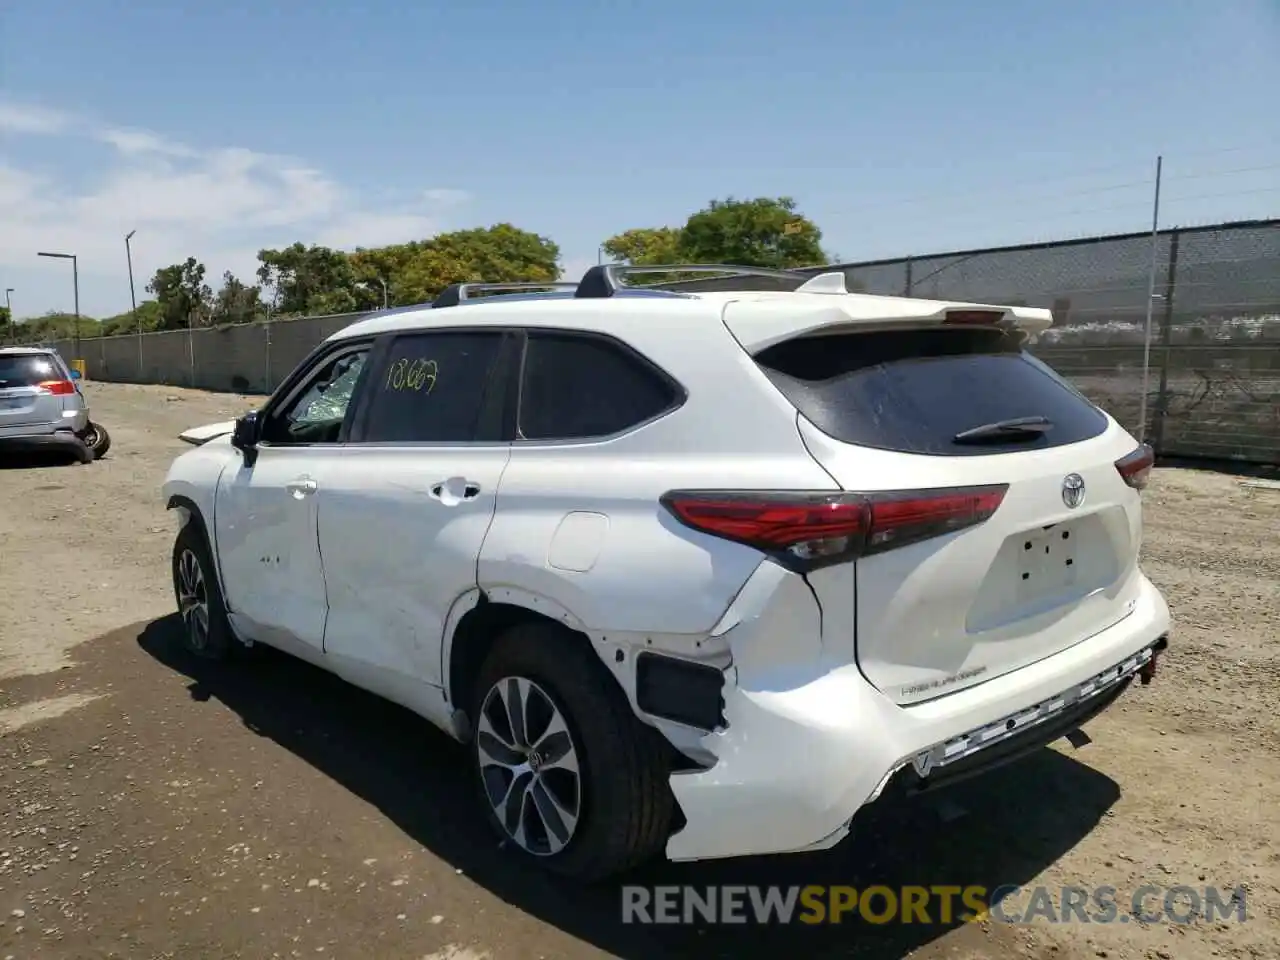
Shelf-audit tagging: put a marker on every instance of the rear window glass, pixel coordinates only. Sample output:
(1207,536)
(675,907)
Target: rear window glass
(914,391)
(27,369)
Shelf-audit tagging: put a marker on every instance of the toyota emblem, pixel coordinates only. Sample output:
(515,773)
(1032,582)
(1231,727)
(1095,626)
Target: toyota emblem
(1073,490)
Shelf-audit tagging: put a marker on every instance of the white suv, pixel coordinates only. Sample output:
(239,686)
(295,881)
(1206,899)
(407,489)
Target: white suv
(702,571)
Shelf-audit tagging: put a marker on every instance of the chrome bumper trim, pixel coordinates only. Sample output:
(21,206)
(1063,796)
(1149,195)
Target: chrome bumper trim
(974,741)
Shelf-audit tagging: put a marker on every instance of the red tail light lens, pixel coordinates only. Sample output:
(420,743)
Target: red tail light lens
(1135,468)
(804,530)
(59,388)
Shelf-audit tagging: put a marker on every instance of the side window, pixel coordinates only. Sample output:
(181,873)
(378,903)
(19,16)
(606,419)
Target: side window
(578,387)
(433,389)
(315,414)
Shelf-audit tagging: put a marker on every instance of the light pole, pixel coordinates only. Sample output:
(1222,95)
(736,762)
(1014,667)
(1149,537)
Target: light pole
(365,284)
(133,299)
(8,306)
(75,280)
(128,254)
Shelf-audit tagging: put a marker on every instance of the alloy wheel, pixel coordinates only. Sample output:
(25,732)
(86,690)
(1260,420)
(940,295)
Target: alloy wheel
(193,600)
(529,765)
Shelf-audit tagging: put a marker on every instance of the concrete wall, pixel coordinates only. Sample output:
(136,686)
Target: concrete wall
(252,358)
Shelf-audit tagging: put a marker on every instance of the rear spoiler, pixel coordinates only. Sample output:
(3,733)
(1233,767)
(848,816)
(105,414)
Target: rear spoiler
(210,431)
(824,304)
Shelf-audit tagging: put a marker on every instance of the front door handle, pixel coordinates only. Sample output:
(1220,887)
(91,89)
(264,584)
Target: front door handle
(302,487)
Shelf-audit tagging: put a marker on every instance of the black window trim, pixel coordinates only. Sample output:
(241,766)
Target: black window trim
(302,377)
(497,401)
(678,392)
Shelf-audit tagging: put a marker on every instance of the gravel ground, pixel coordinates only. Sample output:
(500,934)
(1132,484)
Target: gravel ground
(155,807)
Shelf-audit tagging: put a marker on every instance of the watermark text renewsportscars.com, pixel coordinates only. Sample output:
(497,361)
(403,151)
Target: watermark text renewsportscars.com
(937,904)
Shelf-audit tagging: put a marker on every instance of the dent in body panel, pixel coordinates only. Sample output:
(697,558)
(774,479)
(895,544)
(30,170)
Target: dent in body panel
(773,631)
(617,651)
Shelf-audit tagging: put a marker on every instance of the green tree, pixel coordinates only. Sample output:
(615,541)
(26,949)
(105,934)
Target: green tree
(147,318)
(183,295)
(308,280)
(645,245)
(372,268)
(236,302)
(55,325)
(415,272)
(764,232)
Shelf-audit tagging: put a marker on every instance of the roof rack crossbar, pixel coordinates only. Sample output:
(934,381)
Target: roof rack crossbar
(602,279)
(457,293)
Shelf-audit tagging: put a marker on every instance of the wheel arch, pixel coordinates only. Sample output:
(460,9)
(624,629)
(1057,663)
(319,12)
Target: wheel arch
(189,512)
(476,621)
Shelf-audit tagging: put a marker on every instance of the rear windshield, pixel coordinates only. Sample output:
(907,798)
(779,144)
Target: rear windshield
(26,369)
(914,391)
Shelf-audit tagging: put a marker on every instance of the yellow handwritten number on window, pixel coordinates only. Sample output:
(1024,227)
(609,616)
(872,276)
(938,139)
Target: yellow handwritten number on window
(413,375)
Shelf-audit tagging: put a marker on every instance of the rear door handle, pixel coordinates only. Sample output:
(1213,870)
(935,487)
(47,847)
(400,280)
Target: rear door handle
(446,491)
(302,487)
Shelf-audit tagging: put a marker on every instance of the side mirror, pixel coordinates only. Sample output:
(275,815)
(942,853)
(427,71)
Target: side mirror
(75,374)
(245,436)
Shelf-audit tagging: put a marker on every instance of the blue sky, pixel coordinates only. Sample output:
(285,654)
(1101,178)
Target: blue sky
(914,127)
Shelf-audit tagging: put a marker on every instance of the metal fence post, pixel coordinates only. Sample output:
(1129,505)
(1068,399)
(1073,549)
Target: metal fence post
(906,287)
(1166,341)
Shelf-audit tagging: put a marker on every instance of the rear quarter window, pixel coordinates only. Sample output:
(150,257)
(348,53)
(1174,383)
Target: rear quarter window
(583,387)
(913,391)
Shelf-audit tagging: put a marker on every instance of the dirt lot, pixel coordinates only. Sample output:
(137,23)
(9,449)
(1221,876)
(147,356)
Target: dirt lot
(155,807)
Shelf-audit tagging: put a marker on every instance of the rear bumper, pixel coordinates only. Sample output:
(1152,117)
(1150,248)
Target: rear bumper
(794,766)
(63,441)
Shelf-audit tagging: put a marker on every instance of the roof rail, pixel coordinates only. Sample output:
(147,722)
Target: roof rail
(456,293)
(602,279)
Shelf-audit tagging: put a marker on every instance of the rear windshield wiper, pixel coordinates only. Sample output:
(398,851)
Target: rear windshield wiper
(1010,429)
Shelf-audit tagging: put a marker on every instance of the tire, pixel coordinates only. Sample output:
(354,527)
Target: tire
(194,578)
(97,440)
(624,804)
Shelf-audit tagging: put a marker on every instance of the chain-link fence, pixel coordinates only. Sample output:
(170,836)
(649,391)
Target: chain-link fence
(1214,375)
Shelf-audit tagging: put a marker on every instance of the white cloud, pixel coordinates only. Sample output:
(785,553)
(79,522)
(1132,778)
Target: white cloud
(132,142)
(29,118)
(219,205)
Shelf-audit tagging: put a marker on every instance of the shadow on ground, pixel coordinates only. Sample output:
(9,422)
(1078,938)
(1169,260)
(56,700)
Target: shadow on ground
(1020,819)
(38,460)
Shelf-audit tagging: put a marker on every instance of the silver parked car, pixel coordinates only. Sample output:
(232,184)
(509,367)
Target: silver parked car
(42,408)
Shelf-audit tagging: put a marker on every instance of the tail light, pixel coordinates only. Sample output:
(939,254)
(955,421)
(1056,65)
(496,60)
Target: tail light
(804,531)
(59,388)
(1135,468)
